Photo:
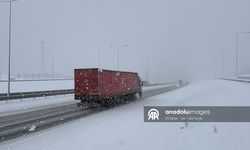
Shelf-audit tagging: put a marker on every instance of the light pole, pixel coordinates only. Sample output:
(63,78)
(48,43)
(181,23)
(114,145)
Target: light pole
(148,67)
(237,51)
(98,58)
(222,62)
(10,17)
(118,53)
(52,64)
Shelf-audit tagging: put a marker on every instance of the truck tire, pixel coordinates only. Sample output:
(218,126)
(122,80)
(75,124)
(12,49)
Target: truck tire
(137,96)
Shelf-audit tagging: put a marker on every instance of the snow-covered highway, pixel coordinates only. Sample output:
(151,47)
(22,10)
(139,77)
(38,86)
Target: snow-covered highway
(123,127)
(18,122)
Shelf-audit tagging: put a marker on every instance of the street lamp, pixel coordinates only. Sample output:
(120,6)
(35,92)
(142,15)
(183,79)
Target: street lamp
(118,52)
(98,57)
(52,64)
(222,62)
(10,11)
(237,51)
(147,69)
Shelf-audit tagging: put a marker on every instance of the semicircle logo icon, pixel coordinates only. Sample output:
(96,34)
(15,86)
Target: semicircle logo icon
(153,114)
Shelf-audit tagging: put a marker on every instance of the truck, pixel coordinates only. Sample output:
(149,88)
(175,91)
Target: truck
(106,87)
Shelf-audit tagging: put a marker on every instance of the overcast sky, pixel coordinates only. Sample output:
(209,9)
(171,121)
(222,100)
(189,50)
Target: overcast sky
(181,39)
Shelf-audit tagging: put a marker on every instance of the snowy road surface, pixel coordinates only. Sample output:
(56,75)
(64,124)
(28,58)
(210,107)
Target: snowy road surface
(123,127)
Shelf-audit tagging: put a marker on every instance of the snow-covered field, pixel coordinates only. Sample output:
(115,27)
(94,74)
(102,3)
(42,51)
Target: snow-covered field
(27,86)
(123,127)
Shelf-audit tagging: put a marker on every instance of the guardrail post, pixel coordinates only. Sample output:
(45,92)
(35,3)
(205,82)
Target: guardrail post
(21,96)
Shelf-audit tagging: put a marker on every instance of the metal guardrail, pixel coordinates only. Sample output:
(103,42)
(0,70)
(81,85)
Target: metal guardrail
(34,94)
(32,80)
(238,80)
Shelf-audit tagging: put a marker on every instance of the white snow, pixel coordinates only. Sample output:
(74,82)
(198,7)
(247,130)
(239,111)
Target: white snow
(123,127)
(158,86)
(32,128)
(27,86)
(16,106)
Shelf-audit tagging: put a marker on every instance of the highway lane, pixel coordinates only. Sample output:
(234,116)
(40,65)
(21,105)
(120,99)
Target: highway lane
(16,125)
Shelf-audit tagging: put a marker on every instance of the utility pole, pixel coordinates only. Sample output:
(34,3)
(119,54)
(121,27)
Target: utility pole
(42,59)
(10,19)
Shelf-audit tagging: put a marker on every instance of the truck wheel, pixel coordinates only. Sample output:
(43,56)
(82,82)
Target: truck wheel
(137,96)
(105,103)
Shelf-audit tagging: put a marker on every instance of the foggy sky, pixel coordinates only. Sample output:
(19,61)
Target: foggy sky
(181,39)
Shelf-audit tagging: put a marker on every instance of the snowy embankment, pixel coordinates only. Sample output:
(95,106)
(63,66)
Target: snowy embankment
(123,127)
(28,86)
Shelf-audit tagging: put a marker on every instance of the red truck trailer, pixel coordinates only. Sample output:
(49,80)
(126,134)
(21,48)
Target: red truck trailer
(105,87)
